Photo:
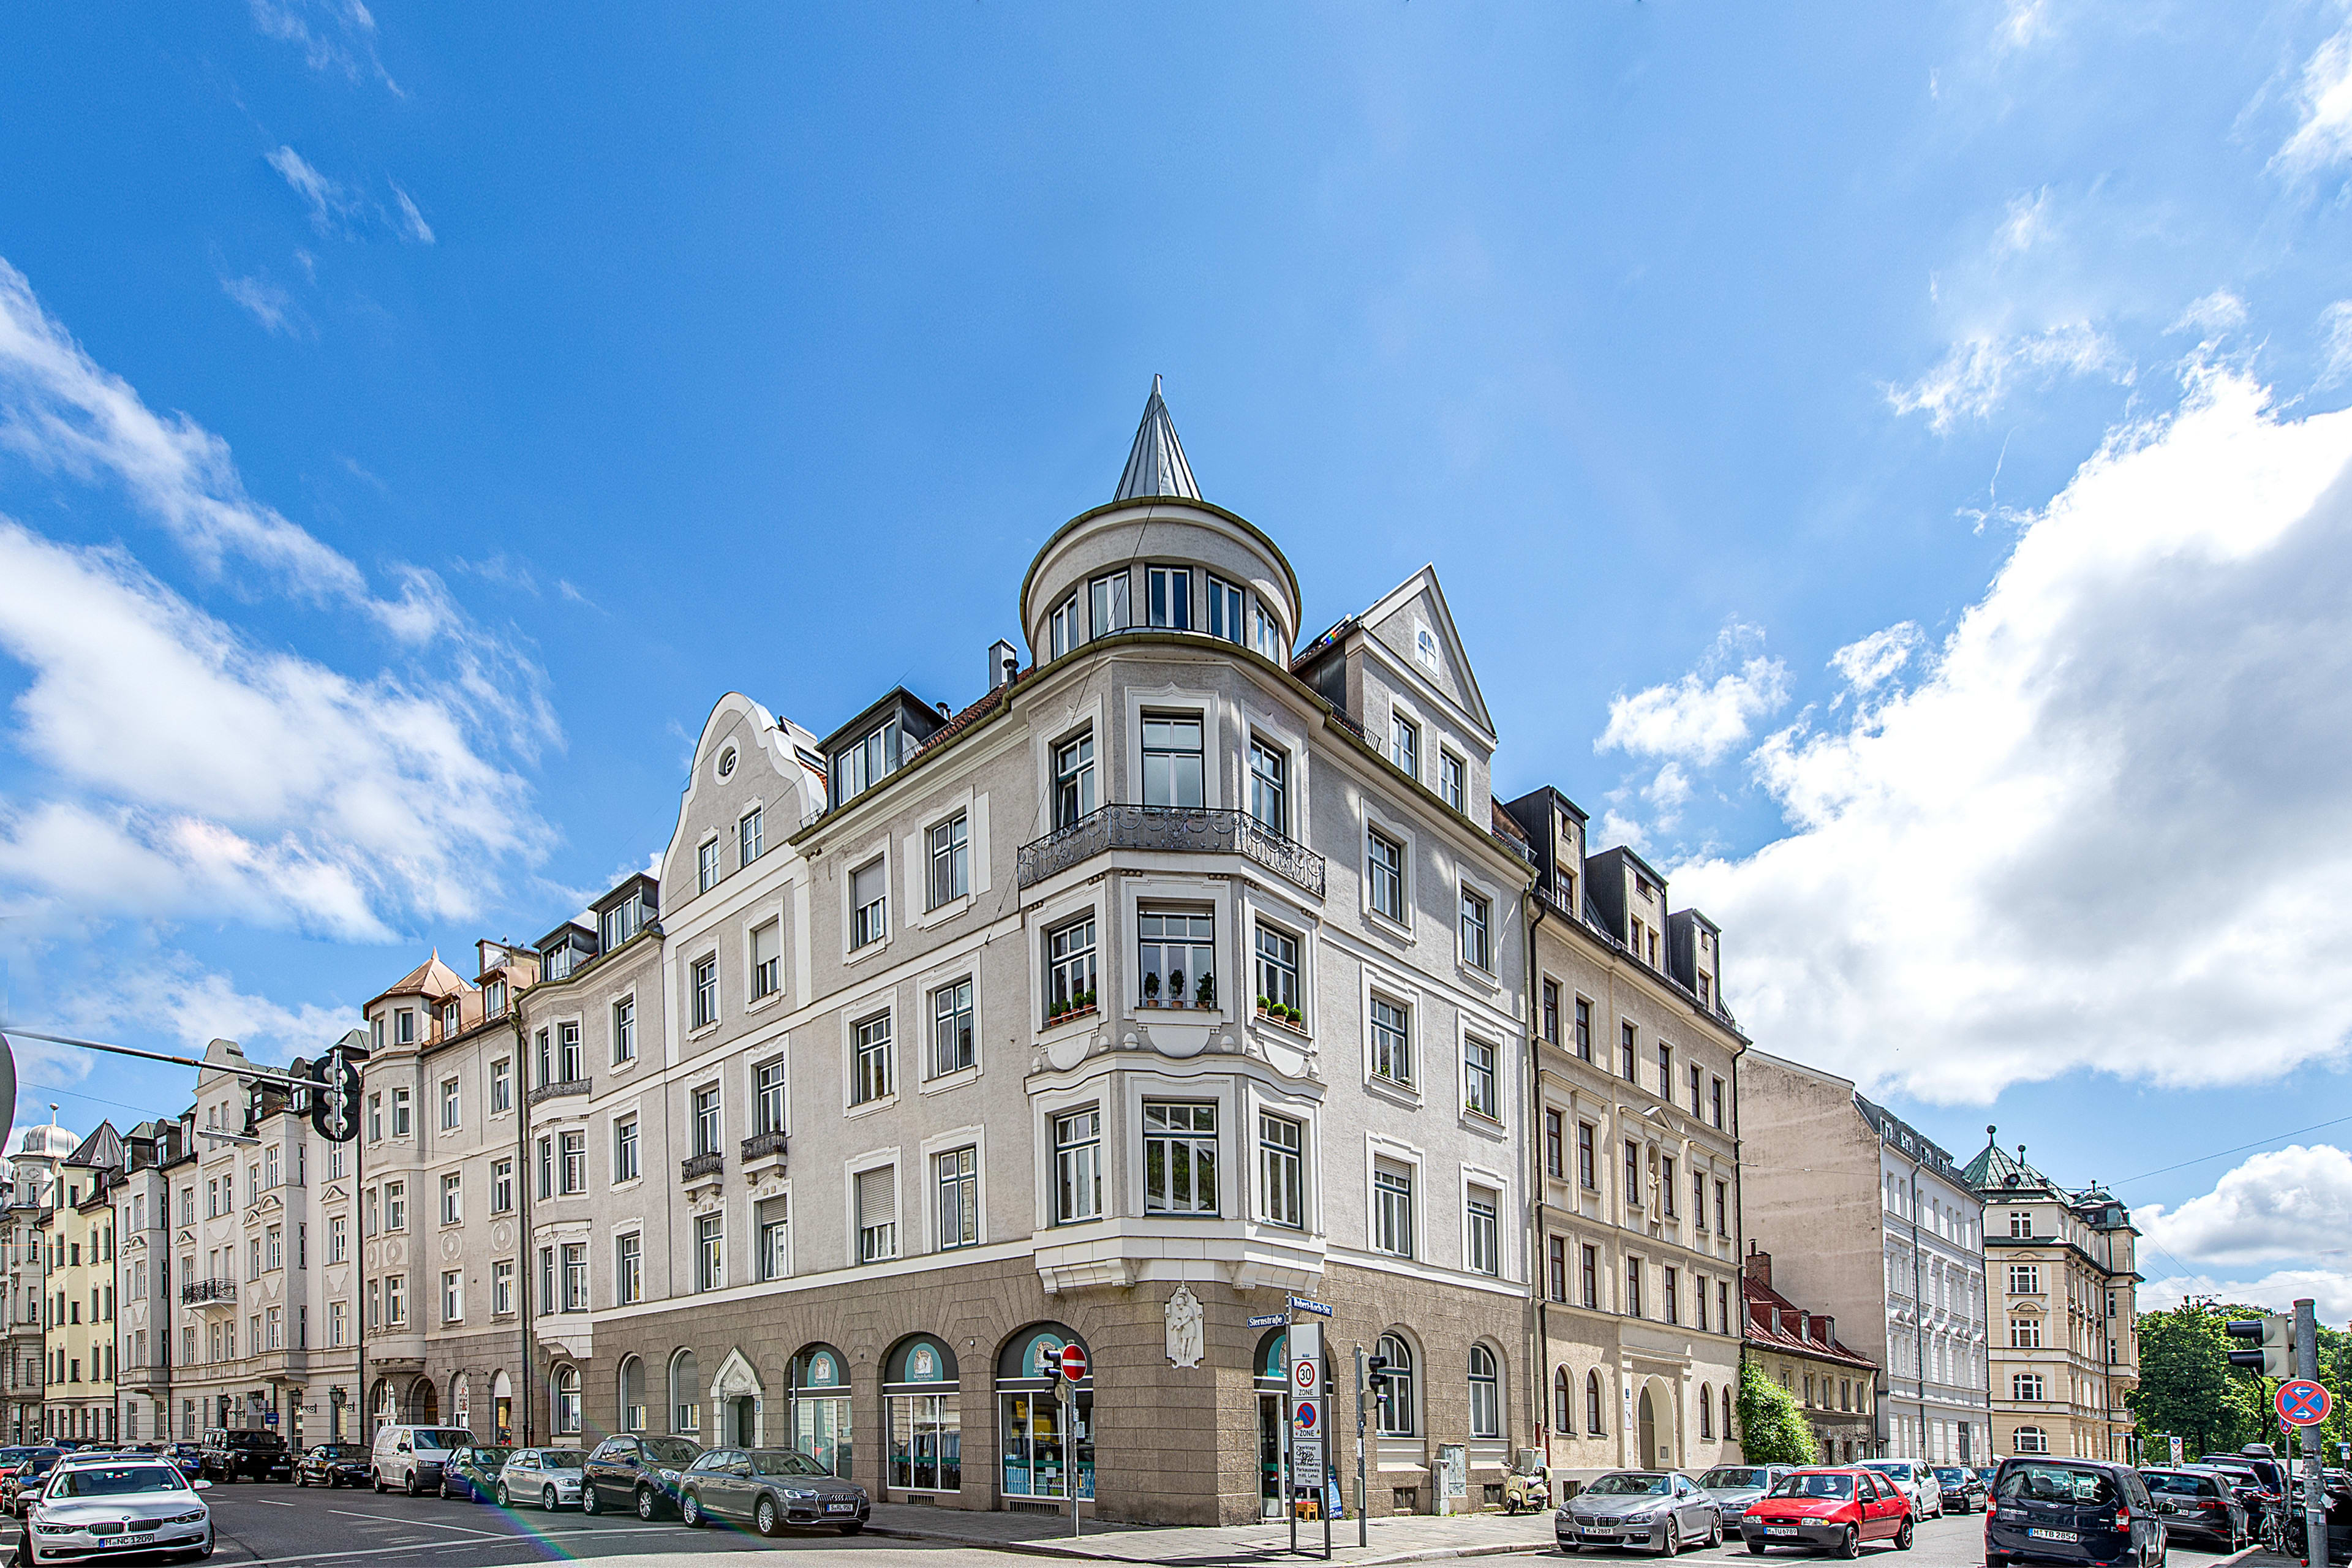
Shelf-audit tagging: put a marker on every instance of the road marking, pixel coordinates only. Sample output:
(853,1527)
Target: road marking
(444,1545)
(271,1501)
(425,1524)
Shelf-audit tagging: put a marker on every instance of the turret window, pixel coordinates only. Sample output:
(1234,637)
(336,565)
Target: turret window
(1224,611)
(1171,589)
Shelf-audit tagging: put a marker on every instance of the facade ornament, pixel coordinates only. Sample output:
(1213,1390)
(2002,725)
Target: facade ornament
(1184,1327)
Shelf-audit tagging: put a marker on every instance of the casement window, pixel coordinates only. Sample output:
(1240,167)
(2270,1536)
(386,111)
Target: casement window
(1556,1268)
(626,1166)
(1224,607)
(1587,1176)
(502,1276)
(502,1200)
(1176,957)
(1555,1144)
(1632,1287)
(867,763)
(502,1086)
(1723,1312)
(869,904)
(878,1214)
(1478,1090)
(1064,631)
(1384,874)
(2020,1225)
(1392,1208)
(1666,1072)
(2025,1279)
(1695,1077)
(1486,1395)
(625,1030)
(453,1202)
(375,1133)
(2031,1441)
(1632,1174)
(572,1171)
(1169,591)
(711,1252)
(1266,636)
(1589,1278)
(273,1259)
(1269,786)
(768,1097)
(2026,1387)
(1482,1231)
(395,1300)
(575,1276)
(1698,1303)
(1070,966)
(494,999)
(400,1123)
(1107,603)
(705,1116)
(1723,1209)
(1670,1295)
(1698,1200)
(1073,780)
(448,1112)
(706,866)
(951,1034)
(1715,1103)
(1277,966)
(621,922)
(870,1075)
(1392,1041)
(1550,1013)
(1078,1166)
(1453,781)
(404,1026)
(2025,1333)
(1282,1170)
(1180,1158)
(1477,919)
(704,986)
(1394,1406)
(950,860)
(567,1055)
(1625,1051)
(1666,1188)
(773,1257)
(767,961)
(955,1176)
(749,836)
(1171,759)
(395,1206)
(1584,1029)
(629,1270)
(1405,743)
(1702,997)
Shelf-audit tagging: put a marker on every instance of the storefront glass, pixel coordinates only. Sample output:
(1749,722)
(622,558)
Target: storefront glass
(1044,1442)
(821,1408)
(926,1418)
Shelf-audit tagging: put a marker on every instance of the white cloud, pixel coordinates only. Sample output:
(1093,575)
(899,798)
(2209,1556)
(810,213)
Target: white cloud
(169,994)
(329,202)
(2291,1202)
(2026,221)
(1981,371)
(334,35)
(266,302)
(2335,343)
(1867,663)
(2329,1290)
(412,222)
(2022,23)
(1616,828)
(2219,311)
(2107,828)
(2325,133)
(1668,793)
(1696,719)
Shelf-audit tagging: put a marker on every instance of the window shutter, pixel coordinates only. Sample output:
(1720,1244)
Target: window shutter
(866,886)
(877,1198)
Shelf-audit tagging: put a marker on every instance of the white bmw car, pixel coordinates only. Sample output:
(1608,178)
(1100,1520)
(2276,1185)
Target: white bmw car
(133,1507)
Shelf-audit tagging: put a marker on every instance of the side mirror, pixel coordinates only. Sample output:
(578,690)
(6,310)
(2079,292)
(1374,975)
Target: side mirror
(201,1484)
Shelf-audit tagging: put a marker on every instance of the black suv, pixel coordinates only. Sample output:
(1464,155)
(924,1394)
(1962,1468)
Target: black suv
(237,1453)
(636,1472)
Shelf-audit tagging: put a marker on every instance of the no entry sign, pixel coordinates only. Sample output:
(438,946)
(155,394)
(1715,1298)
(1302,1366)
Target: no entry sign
(2302,1402)
(1074,1363)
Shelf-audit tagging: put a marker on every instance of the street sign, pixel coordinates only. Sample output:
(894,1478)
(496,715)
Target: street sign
(1269,1320)
(1304,1416)
(1074,1363)
(2302,1402)
(2178,1451)
(1301,1304)
(1307,1463)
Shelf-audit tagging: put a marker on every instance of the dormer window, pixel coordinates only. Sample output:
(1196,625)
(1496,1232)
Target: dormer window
(494,997)
(622,922)
(1171,589)
(866,763)
(449,1018)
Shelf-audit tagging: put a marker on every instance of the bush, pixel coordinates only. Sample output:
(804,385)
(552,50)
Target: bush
(1772,1430)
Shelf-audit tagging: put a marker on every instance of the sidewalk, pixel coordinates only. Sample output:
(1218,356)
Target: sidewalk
(1406,1540)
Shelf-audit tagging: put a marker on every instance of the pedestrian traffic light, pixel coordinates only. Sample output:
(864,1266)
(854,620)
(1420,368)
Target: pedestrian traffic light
(2271,1342)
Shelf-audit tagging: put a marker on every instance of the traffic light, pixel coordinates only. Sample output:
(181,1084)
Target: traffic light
(335,1103)
(1376,1373)
(2273,1336)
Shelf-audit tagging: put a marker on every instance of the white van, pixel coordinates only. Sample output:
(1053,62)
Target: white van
(411,1458)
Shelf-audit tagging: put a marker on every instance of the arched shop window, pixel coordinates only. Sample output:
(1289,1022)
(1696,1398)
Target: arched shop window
(918,1394)
(1486,1395)
(567,1402)
(1394,1414)
(1563,1404)
(821,1422)
(633,1393)
(1044,1441)
(685,1395)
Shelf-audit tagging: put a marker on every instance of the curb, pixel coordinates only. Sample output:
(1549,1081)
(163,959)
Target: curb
(1083,1554)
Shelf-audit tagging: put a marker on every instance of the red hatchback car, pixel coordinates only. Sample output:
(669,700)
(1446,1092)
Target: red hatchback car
(1828,1510)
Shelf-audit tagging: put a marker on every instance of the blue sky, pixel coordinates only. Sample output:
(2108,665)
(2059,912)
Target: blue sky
(1881,459)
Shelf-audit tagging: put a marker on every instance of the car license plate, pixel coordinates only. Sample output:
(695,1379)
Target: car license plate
(2054,1535)
(841,1507)
(1779,1530)
(135,1540)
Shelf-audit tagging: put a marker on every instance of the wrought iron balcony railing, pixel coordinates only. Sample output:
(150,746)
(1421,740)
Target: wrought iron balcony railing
(200,1290)
(562,1087)
(762,1145)
(695,1165)
(1192,829)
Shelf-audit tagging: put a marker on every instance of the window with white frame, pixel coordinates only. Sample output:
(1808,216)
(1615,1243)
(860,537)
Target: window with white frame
(1070,966)
(1477,930)
(1078,1166)
(1171,759)
(395,1206)
(1277,967)
(768,1096)
(767,960)
(1176,956)
(705,992)
(1486,1395)
(629,1270)
(2026,1387)
(2025,1333)
(453,1295)
(1478,1089)
(1282,1170)
(573,1170)
(709,1252)
(400,1113)
(1392,1041)
(704,1113)
(951,1031)
(1404,742)
(1453,781)
(452,1204)
(1168,591)
(950,860)
(619,923)
(2025,1279)
(1106,602)
(955,1177)
(625,1030)
(1384,874)
(871,1076)
(567,1053)
(867,763)
(502,1275)
(749,835)
(625,1148)
(502,1086)
(1269,786)
(706,866)
(2031,1441)
(1073,780)
(1065,631)
(501,1187)
(774,1218)
(1480,1225)
(1179,1157)
(1224,607)
(869,904)
(1392,1207)
(448,1108)
(878,1214)
(1394,1406)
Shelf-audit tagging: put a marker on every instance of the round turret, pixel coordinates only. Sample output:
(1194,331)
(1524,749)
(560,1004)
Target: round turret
(48,1142)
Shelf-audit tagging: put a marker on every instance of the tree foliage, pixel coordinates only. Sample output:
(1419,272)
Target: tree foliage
(1772,1430)
(2188,1389)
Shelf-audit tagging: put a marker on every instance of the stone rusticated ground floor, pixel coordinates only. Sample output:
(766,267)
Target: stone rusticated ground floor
(941,1361)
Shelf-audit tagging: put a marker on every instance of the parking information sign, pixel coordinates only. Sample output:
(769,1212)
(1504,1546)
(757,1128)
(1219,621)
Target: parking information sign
(2302,1402)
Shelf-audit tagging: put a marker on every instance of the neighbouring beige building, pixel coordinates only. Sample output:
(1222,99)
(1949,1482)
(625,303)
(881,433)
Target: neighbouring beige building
(1836,1387)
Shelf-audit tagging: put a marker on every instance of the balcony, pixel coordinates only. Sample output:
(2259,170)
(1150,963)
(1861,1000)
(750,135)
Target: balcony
(697,1169)
(201,1292)
(1181,829)
(759,1146)
(563,1088)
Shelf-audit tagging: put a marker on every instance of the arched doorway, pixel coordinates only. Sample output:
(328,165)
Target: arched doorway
(501,1408)
(1270,1379)
(820,1414)
(1646,1422)
(1038,1457)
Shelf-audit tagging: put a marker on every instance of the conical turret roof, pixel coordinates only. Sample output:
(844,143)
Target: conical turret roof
(1156,466)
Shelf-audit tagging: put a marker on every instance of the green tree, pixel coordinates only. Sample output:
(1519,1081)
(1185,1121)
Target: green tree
(1772,1430)
(2184,1381)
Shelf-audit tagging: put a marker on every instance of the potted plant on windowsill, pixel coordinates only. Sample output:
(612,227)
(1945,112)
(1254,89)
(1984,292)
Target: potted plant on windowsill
(1206,994)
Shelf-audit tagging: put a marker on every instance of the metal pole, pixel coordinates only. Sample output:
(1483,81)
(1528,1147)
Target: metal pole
(1327,1474)
(1363,1525)
(1069,1403)
(2315,1506)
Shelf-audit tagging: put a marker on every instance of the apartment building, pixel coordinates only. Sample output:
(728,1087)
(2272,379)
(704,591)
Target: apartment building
(142,1275)
(1870,1219)
(1632,1160)
(80,1338)
(32,1193)
(2064,1272)
(1836,1387)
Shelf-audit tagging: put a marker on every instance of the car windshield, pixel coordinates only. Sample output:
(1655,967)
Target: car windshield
(1625,1485)
(428,1438)
(116,1480)
(786,1462)
(2175,1482)
(2056,1483)
(1728,1476)
(39,1466)
(1952,1475)
(562,1458)
(1814,1486)
(490,1458)
(1901,1472)
(671,1451)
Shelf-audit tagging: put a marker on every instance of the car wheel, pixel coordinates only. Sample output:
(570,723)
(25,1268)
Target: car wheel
(298,1481)
(409,1488)
(547,1499)
(1715,1532)
(690,1512)
(1850,1543)
(764,1519)
(1671,1543)
(505,1498)
(648,1506)
(588,1503)
(1902,1537)
(853,1527)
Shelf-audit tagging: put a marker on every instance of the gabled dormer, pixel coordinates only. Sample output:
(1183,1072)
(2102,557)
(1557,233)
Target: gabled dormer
(624,911)
(877,743)
(564,949)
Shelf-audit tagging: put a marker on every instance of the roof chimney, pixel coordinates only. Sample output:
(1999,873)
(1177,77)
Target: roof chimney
(1004,663)
(1760,1266)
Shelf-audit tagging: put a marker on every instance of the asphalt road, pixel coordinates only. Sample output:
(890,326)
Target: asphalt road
(1955,1541)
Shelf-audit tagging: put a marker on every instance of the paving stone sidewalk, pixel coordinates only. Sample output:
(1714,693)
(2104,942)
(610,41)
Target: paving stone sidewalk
(1410,1540)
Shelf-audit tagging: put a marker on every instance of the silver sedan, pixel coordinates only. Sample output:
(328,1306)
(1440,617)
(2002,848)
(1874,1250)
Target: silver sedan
(127,1508)
(1663,1510)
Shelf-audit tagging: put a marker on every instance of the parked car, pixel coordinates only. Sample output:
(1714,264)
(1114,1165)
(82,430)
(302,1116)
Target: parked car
(122,1506)
(1963,1489)
(635,1471)
(411,1458)
(25,1477)
(1918,1483)
(1662,1509)
(472,1473)
(769,1488)
(239,1453)
(2074,1511)
(1733,1487)
(1828,1510)
(189,1458)
(2199,1502)
(548,1477)
(2257,1457)
(331,1465)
